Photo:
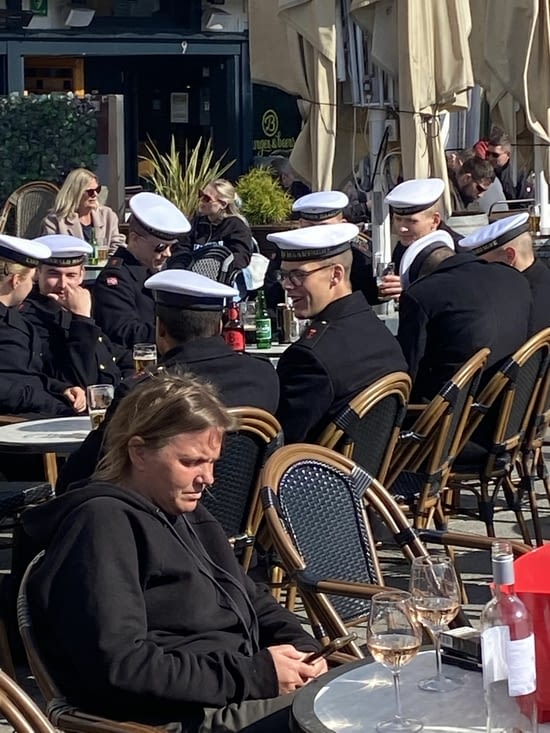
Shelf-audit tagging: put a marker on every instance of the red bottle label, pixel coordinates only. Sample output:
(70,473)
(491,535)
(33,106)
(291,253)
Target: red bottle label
(235,339)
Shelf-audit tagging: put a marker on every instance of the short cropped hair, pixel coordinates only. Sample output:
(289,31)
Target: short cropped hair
(499,137)
(479,169)
(183,325)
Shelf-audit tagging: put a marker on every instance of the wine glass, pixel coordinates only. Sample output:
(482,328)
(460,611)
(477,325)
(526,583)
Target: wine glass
(436,594)
(393,639)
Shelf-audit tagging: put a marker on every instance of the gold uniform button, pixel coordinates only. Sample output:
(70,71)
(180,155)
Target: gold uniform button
(102,366)
(100,339)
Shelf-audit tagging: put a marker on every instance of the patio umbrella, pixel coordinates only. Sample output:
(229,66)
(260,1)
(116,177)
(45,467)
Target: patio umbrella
(293,47)
(510,46)
(424,46)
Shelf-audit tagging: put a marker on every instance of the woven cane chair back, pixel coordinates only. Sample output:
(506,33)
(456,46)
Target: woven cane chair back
(368,428)
(234,497)
(26,207)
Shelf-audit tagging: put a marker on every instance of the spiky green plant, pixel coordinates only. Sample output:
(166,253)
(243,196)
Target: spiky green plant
(180,178)
(264,201)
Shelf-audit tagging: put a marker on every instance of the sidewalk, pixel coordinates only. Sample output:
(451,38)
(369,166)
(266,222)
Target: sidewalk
(474,566)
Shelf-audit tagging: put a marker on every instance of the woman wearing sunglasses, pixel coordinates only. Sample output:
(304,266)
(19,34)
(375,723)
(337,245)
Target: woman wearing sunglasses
(77,211)
(218,221)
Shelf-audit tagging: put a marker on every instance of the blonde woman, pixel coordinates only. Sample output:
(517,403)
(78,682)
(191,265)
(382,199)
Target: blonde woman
(77,211)
(24,388)
(218,221)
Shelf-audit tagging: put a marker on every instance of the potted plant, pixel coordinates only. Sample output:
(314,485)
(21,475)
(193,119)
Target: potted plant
(265,204)
(180,179)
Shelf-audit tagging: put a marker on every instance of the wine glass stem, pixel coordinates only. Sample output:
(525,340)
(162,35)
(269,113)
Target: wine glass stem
(437,647)
(395,673)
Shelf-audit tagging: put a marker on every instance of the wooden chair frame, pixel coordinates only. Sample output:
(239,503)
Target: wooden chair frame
(340,436)
(316,591)
(428,449)
(19,710)
(499,397)
(61,713)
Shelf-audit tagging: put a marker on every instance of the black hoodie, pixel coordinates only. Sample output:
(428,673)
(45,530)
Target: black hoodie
(150,617)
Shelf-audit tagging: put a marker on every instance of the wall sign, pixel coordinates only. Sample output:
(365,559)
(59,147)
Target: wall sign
(179,107)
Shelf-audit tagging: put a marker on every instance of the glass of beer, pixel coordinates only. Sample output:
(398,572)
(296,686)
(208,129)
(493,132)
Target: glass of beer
(145,357)
(99,397)
(102,252)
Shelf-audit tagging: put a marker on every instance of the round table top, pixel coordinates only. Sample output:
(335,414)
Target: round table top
(55,435)
(355,697)
(274,350)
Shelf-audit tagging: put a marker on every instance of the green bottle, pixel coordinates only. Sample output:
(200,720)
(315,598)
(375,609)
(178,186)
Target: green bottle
(93,259)
(263,323)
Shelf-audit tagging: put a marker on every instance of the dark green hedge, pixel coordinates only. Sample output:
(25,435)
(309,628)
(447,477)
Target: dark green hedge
(43,137)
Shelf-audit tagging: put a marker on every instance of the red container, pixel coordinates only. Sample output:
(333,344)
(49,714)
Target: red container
(532,585)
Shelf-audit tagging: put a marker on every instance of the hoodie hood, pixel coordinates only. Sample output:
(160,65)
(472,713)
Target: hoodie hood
(42,522)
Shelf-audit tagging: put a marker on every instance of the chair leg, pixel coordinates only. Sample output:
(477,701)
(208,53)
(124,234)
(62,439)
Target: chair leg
(486,508)
(542,471)
(514,503)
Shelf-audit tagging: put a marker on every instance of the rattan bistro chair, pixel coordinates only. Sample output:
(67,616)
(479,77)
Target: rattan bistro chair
(316,505)
(19,710)
(368,428)
(234,497)
(491,442)
(425,453)
(26,207)
(62,714)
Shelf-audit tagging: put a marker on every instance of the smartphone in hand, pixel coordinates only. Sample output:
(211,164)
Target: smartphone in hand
(331,647)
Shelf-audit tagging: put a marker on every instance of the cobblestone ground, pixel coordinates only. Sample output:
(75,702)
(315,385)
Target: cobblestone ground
(474,567)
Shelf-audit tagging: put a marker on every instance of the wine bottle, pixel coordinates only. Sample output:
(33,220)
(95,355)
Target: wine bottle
(263,323)
(233,330)
(508,652)
(93,259)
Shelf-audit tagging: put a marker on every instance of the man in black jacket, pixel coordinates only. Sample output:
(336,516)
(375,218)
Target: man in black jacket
(189,308)
(508,240)
(123,307)
(59,308)
(345,348)
(452,305)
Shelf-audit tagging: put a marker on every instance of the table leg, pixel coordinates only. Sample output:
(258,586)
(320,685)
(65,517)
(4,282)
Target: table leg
(50,467)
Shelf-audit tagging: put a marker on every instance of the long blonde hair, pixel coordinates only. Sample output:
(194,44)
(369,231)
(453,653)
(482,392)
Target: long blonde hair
(164,405)
(226,193)
(70,193)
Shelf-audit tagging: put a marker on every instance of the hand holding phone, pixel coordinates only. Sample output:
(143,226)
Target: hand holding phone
(331,647)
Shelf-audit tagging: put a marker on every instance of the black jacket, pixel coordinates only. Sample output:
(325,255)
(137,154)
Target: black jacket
(400,249)
(123,308)
(345,349)
(147,616)
(538,277)
(24,387)
(232,231)
(465,304)
(241,379)
(74,347)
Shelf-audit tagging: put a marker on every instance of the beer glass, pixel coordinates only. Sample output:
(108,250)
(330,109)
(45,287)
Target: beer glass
(145,357)
(99,398)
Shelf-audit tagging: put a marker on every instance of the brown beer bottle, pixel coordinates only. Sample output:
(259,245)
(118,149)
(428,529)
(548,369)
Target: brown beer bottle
(233,330)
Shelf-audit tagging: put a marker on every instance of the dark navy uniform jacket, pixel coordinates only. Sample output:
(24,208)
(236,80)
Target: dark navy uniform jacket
(400,249)
(123,308)
(73,347)
(465,304)
(241,379)
(538,277)
(344,349)
(24,388)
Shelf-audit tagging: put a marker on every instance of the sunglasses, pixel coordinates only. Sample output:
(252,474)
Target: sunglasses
(207,199)
(492,154)
(162,246)
(93,191)
(296,277)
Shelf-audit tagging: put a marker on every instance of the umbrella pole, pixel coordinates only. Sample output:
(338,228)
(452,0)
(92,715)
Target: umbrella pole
(541,185)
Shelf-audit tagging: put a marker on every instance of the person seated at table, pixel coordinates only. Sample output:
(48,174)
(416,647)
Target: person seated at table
(60,309)
(508,240)
(123,307)
(218,221)
(345,348)
(161,625)
(77,211)
(24,388)
(189,311)
(452,305)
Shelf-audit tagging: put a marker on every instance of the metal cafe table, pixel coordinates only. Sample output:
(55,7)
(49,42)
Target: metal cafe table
(355,697)
(58,435)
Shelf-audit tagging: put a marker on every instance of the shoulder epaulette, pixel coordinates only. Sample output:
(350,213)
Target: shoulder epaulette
(313,333)
(114,262)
